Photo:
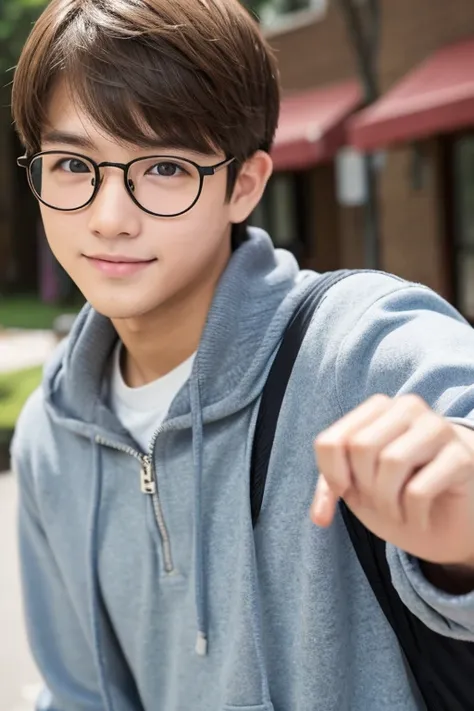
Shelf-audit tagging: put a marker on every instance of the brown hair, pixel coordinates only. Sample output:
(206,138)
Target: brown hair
(196,73)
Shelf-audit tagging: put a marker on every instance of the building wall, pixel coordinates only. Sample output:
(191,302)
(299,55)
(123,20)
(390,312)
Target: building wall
(315,54)
(413,239)
(413,230)
(412,227)
(413,29)
(325,245)
(308,56)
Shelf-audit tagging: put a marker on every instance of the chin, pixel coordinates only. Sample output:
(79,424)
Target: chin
(115,308)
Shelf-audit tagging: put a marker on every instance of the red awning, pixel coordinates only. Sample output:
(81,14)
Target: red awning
(437,97)
(313,125)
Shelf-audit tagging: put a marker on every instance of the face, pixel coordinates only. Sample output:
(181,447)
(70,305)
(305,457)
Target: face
(128,263)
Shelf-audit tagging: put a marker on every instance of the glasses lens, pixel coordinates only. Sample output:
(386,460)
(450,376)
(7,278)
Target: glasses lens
(164,186)
(62,180)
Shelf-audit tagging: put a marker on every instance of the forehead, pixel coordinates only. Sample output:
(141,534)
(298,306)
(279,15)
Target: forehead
(66,115)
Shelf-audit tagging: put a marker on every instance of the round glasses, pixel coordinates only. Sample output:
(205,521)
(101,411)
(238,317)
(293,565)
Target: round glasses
(164,186)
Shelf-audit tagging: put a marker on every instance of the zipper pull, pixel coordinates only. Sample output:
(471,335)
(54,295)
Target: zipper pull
(147,478)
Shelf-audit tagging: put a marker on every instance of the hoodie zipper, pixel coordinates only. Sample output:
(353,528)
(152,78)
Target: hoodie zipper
(148,486)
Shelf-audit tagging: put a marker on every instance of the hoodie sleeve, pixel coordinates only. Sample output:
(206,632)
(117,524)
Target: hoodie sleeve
(409,340)
(57,641)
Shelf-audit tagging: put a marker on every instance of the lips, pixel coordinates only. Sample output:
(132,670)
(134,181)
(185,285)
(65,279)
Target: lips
(118,259)
(118,265)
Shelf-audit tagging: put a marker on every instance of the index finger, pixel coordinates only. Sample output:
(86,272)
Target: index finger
(330,445)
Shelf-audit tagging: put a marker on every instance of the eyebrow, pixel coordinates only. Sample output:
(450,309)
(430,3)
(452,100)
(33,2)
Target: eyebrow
(79,141)
(70,139)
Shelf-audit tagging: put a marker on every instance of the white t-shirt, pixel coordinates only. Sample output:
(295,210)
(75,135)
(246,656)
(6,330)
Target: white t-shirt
(142,410)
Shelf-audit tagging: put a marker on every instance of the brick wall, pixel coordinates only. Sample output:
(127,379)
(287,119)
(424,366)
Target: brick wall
(413,29)
(315,54)
(412,219)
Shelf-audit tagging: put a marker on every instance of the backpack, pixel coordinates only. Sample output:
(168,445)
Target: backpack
(443,668)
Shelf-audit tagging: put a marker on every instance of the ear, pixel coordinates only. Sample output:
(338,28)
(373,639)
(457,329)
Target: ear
(250,185)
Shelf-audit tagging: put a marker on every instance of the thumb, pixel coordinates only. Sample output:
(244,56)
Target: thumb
(324,504)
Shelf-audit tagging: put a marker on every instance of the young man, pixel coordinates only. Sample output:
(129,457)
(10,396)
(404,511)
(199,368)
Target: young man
(147,126)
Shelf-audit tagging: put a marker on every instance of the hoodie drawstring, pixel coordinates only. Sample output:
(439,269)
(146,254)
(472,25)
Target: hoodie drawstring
(94,575)
(200,591)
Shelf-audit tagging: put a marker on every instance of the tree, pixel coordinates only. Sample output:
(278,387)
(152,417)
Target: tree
(256,6)
(16,19)
(278,7)
(363,21)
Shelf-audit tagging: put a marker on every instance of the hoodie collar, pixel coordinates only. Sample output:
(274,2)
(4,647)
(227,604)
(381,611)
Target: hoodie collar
(251,307)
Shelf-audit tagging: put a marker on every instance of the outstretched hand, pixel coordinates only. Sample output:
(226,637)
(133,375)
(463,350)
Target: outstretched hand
(406,473)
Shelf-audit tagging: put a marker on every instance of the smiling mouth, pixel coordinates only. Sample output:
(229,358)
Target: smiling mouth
(118,259)
(118,266)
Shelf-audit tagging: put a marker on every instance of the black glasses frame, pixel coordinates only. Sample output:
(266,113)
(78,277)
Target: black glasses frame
(203,170)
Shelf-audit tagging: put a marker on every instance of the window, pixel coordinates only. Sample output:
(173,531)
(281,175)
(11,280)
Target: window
(283,211)
(463,175)
(271,11)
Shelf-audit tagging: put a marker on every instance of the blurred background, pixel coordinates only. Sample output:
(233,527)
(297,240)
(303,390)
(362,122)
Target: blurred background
(374,167)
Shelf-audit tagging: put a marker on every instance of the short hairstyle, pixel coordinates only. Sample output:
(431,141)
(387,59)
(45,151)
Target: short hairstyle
(196,73)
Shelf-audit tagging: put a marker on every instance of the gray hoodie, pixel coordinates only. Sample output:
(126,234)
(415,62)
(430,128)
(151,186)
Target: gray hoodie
(169,601)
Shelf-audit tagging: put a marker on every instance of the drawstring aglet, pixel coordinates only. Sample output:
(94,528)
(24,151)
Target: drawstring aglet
(201,644)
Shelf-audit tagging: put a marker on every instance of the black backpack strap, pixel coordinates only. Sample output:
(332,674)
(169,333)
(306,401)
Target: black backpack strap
(443,668)
(275,387)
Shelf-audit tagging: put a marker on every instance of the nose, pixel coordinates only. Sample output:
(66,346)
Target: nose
(112,213)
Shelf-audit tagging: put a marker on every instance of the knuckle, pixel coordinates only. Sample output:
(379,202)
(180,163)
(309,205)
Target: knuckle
(391,458)
(326,442)
(464,457)
(415,491)
(413,403)
(379,399)
(359,443)
(444,428)
(324,439)
(436,425)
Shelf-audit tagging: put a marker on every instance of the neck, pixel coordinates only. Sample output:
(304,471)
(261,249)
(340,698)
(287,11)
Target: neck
(159,341)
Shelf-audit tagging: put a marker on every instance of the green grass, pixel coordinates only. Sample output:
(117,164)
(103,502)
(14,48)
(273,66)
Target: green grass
(29,312)
(15,389)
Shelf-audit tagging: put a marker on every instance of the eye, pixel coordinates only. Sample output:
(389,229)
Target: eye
(167,169)
(73,165)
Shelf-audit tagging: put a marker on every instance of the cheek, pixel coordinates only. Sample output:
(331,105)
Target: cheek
(60,229)
(55,229)
(194,237)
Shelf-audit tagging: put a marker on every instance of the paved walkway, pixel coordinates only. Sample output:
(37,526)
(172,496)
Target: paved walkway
(24,349)
(19,678)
